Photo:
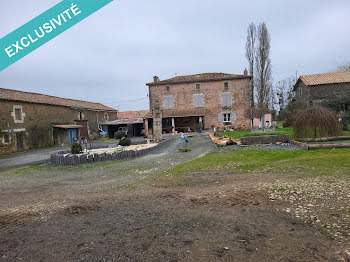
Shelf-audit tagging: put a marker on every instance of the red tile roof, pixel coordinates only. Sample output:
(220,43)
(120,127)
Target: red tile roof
(205,77)
(67,126)
(125,121)
(133,114)
(324,79)
(14,95)
(180,112)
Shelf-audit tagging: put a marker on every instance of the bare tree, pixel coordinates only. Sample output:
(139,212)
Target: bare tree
(284,91)
(250,55)
(263,67)
(344,68)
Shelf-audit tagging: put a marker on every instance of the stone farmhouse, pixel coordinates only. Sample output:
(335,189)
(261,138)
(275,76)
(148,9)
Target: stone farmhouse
(185,103)
(313,89)
(30,120)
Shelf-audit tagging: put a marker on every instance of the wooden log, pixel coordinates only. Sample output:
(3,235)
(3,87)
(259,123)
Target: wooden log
(301,144)
(329,146)
(325,139)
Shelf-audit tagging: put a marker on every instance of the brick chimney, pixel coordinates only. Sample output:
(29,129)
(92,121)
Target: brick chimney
(155,79)
(245,72)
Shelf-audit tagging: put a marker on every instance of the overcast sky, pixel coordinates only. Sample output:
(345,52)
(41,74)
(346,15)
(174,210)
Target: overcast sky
(109,56)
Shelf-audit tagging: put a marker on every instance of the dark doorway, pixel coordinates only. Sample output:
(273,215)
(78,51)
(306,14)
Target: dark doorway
(84,129)
(19,140)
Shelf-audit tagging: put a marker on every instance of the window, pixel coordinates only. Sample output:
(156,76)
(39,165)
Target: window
(198,100)
(301,92)
(106,116)
(227,117)
(168,102)
(81,116)
(226,85)
(198,86)
(226,99)
(5,138)
(167,88)
(18,114)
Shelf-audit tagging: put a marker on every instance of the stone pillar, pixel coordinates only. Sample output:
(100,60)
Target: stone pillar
(157,122)
(145,126)
(173,125)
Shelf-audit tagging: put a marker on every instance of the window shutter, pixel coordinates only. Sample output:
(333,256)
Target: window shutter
(198,100)
(171,102)
(220,118)
(223,100)
(195,100)
(168,102)
(165,103)
(201,100)
(233,117)
(226,99)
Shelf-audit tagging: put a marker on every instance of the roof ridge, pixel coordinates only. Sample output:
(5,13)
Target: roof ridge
(31,97)
(33,93)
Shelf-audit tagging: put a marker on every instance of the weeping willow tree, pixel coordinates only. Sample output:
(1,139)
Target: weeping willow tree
(316,121)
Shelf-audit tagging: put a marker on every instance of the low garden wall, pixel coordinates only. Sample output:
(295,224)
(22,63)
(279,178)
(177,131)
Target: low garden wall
(268,139)
(304,142)
(64,158)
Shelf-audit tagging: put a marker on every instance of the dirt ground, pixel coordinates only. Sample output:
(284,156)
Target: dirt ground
(220,216)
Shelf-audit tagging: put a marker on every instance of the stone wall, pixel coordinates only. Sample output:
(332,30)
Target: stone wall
(316,94)
(39,118)
(183,99)
(269,139)
(64,159)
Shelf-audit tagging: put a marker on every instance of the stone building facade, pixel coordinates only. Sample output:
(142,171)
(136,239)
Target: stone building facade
(313,89)
(30,120)
(209,99)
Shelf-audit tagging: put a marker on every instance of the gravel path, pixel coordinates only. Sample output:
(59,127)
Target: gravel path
(271,147)
(34,157)
(47,186)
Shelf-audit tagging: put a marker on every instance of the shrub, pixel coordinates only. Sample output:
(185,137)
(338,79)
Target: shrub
(287,113)
(284,123)
(316,121)
(39,137)
(119,134)
(76,148)
(125,141)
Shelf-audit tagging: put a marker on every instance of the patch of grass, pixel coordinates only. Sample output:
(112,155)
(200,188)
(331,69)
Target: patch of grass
(193,138)
(48,168)
(278,130)
(301,163)
(240,134)
(185,149)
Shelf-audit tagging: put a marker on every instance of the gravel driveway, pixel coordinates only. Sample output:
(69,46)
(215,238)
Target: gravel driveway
(99,212)
(34,157)
(47,186)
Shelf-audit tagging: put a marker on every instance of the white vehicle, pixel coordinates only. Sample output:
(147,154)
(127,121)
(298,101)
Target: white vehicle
(123,129)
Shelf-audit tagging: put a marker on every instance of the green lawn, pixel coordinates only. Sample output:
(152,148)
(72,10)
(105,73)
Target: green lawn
(278,130)
(301,163)
(239,134)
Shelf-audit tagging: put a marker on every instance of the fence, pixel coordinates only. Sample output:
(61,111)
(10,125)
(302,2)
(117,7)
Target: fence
(64,158)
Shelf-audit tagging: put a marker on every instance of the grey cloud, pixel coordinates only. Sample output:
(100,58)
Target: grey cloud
(110,56)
